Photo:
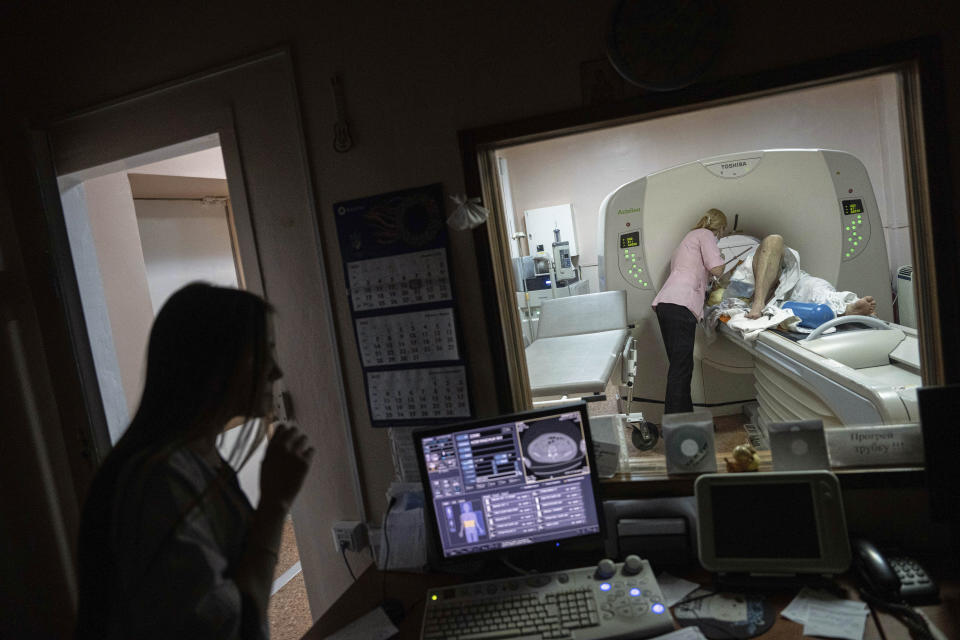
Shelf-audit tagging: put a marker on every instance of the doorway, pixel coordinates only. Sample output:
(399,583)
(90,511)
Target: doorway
(136,236)
(252,107)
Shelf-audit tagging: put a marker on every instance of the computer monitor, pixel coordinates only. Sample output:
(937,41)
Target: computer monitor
(525,480)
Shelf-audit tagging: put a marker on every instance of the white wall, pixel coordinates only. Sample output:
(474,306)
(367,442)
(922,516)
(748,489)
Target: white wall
(113,223)
(859,116)
(199,164)
(184,241)
(83,250)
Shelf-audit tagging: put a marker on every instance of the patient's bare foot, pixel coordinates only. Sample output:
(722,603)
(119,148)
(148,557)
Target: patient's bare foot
(865,306)
(756,310)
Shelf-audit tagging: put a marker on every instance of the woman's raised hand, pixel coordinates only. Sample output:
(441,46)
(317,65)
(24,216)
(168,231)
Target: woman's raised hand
(284,466)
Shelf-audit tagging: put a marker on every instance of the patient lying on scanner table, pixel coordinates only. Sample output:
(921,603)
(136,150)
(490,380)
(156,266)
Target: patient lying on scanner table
(769,275)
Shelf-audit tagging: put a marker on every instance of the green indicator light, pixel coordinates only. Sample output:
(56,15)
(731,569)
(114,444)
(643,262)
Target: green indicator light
(848,228)
(634,259)
(636,275)
(639,269)
(855,243)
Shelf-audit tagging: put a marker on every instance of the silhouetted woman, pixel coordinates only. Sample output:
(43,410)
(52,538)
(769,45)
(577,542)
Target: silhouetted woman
(169,544)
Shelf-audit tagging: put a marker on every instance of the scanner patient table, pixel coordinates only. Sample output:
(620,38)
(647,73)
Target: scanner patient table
(868,375)
(579,341)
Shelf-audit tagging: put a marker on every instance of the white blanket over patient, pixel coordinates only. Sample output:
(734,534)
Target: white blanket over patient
(795,284)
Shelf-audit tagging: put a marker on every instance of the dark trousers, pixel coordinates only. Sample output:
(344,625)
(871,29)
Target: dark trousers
(678,326)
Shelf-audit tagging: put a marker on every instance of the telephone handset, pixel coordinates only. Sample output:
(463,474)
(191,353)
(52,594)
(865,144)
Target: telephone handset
(895,579)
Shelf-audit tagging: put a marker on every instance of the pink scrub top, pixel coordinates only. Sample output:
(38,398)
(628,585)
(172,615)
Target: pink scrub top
(689,271)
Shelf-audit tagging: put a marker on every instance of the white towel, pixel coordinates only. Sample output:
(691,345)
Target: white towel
(750,328)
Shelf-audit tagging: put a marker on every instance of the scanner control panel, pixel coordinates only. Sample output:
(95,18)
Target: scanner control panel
(633,266)
(855,227)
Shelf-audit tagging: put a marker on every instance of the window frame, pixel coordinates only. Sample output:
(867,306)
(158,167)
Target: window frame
(919,66)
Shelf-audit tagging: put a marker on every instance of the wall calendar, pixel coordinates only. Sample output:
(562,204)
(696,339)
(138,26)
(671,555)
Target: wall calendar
(395,256)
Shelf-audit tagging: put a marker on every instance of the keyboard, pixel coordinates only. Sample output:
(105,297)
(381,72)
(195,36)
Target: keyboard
(609,600)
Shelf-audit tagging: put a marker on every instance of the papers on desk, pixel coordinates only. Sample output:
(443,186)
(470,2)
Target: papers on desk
(687,633)
(825,615)
(674,589)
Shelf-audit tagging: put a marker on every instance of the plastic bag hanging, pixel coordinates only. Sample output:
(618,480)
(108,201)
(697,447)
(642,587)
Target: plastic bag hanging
(469,214)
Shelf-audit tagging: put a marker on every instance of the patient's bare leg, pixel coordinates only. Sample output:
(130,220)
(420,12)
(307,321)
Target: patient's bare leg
(766,271)
(865,306)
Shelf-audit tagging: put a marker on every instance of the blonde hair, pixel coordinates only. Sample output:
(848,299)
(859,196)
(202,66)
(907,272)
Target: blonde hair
(714,220)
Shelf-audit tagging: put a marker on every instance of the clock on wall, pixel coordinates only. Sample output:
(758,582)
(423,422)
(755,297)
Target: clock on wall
(664,45)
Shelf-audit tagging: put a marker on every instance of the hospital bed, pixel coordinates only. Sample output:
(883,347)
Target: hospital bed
(579,343)
(823,205)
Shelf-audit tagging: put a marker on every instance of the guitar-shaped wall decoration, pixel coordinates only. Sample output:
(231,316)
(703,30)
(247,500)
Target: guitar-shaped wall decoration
(342,142)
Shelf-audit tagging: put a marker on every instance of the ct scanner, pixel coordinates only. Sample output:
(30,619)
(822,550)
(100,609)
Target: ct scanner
(823,205)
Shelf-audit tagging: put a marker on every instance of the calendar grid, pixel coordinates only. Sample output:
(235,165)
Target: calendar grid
(405,338)
(394,249)
(402,280)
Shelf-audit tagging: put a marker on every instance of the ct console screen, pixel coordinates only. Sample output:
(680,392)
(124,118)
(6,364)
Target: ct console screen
(512,484)
(852,207)
(628,240)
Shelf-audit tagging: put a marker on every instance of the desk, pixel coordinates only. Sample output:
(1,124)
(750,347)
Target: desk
(410,589)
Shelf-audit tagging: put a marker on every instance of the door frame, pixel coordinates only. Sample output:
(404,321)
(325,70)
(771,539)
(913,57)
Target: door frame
(254,107)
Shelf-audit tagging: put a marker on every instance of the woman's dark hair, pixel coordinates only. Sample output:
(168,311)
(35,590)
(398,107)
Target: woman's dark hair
(208,350)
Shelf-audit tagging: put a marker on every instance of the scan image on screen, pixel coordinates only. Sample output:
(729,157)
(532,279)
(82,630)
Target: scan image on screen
(522,482)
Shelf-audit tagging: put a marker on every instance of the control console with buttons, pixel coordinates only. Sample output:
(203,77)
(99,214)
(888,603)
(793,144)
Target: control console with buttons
(609,600)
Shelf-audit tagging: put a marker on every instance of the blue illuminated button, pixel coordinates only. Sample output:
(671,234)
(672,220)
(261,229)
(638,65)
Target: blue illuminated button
(605,586)
(634,592)
(658,608)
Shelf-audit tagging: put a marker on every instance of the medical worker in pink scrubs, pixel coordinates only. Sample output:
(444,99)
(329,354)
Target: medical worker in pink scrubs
(679,304)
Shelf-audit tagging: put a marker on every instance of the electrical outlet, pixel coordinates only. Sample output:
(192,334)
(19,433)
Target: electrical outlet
(349,534)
